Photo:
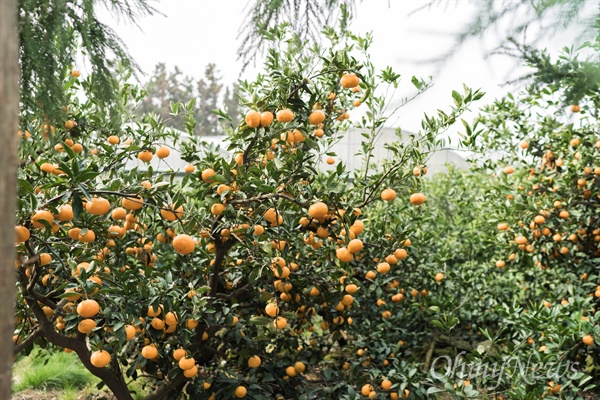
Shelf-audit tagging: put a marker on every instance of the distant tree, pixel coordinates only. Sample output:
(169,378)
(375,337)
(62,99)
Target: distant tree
(162,89)
(209,90)
(165,87)
(231,103)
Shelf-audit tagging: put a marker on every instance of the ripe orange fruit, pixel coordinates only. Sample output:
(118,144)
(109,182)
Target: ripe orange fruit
(316,117)
(439,276)
(502,226)
(208,175)
(500,263)
(163,152)
(273,217)
(240,392)
(358,227)
(330,160)
(285,115)
(383,268)
(183,244)
(77,148)
(386,384)
(100,358)
(366,389)
(291,372)
(22,233)
(417,199)
(575,142)
(347,299)
(344,255)
(70,124)
(271,309)
(98,206)
(299,367)
(252,119)
(258,230)
(190,373)
(118,213)
(508,170)
(87,237)
(588,340)
(158,324)
(48,168)
(223,188)
(400,254)
(319,132)
(42,215)
(75,73)
(355,246)
(113,139)
(280,323)
(350,80)
(149,352)
(351,288)
(388,194)
(189,168)
(145,155)
(524,145)
(539,219)
(88,308)
(254,362)
(170,213)
(65,213)
(186,363)
(132,203)
(266,118)
(192,324)
(129,332)
(318,210)
(521,240)
(171,318)
(45,259)
(178,354)
(217,209)
(575,108)
(86,326)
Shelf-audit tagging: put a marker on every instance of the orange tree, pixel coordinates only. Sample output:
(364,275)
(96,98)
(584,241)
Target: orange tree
(545,169)
(431,294)
(490,288)
(237,280)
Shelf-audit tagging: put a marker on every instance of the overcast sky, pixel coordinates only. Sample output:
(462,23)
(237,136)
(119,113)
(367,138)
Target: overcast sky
(193,33)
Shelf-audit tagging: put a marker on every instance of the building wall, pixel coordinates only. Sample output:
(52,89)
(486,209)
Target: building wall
(346,150)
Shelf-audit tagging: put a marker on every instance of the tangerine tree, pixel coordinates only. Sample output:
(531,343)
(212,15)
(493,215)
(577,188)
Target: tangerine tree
(237,279)
(545,181)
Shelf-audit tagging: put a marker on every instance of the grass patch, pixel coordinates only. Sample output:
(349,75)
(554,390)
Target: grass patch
(60,370)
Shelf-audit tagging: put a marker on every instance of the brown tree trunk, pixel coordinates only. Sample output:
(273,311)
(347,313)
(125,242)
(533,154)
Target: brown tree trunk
(9,115)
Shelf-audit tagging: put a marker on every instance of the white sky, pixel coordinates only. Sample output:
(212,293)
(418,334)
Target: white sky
(194,33)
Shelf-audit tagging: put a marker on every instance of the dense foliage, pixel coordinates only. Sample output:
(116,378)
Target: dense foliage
(261,275)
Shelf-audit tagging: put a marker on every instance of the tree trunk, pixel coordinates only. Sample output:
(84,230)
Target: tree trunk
(9,115)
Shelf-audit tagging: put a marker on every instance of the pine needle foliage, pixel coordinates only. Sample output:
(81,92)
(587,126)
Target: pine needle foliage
(306,18)
(53,33)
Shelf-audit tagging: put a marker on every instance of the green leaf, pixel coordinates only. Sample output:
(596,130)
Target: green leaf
(259,320)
